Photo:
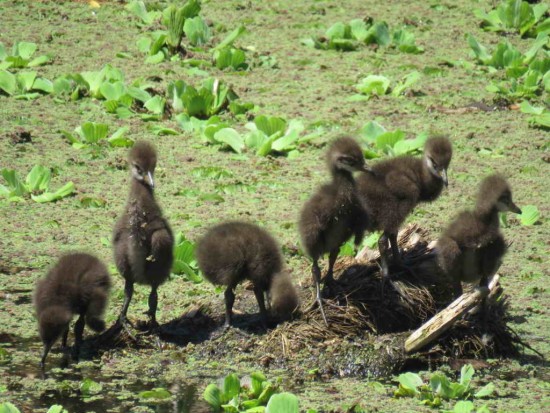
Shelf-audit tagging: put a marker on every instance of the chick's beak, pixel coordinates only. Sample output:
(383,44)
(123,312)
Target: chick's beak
(149,178)
(514,208)
(443,175)
(366,168)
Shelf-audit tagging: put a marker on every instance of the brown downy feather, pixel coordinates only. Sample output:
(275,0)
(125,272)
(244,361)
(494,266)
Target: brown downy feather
(78,284)
(471,247)
(283,298)
(232,252)
(142,238)
(398,184)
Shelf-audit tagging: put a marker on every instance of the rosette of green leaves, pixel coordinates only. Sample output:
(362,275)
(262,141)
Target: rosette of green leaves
(36,186)
(185,263)
(21,56)
(93,136)
(209,99)
(378,142)
(24,85)
(516,15)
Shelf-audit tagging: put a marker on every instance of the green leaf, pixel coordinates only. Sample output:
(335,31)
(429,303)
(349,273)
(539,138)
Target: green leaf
(62,192)
(374,85)
(526,107)
(410,381)
(8,82)
(283,403)
(485,391)
(17,188)
(160,130)
(291,136)
(359,29)
(89,387)
(466,374)
(480,51)
(529,215)
(231,37)
(56,408)
(118,140)
(463,406)
(231,386)
(230,137)
(387,140)
(8,408)
(197,31)
(112,91)
(25,49)
(213,396)
(156,393)
(93,132)
(38,179)
(156,105)
(257,379)
(26,80)
(39,61)
(270,125)
(43,85)
(406,83)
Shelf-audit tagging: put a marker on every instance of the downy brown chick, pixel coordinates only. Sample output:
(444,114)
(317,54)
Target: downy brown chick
(142,238)
(472,246)
(396,186)
(78,284)
(232,252)
(334,213)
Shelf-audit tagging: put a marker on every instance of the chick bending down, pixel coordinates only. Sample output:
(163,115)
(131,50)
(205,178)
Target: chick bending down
(232,252)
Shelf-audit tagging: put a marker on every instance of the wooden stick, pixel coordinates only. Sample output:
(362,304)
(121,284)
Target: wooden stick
(443,320)
(494,288)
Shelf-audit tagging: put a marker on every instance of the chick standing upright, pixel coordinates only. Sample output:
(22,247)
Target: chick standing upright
(334,214)
(472,246)
(396,186)
(234,251)
(78,284)
(142,238)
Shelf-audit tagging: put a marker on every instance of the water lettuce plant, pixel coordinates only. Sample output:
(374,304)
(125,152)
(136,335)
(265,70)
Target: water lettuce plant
(516,15)
(144,12)
(378,85)
(540,114)
(209,99)
(24,85)
(21,56)
(36,186)
(8,407)
(179,22)
(378,142)
(258,395)
(230,57)
(527,75)
(529,215)
(440,388)
(506,56)
(93,137)
(349,36)
(184,259)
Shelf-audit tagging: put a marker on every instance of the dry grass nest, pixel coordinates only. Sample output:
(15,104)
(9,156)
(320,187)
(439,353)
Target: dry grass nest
(357,310)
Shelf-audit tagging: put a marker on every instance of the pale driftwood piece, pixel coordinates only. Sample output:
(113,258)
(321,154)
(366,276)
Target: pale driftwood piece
(407,239)
(443,320)
(494,287)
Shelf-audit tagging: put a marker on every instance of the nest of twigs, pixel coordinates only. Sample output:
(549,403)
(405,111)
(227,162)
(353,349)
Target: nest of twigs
(362,307)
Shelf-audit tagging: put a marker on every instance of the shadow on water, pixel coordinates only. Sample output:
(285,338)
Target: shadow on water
(117,394)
